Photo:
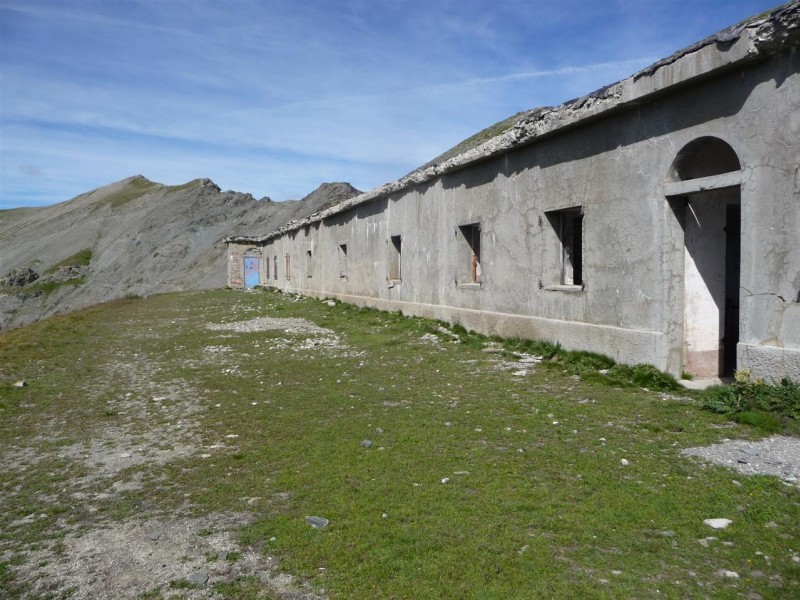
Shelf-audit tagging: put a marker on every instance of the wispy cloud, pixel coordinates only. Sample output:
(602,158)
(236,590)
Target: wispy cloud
(275,96)
(603,67)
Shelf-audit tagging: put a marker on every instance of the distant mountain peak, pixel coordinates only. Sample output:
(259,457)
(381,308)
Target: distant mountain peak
(142,236)
(332,193)
(206,182)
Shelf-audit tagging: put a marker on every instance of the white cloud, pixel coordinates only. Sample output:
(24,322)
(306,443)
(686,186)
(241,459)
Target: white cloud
(276,96)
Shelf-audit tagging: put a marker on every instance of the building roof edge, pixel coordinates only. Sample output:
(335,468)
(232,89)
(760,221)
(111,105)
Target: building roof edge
(754,39)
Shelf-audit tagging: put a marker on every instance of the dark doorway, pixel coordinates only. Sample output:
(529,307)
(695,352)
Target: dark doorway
(711,218)
(733,230)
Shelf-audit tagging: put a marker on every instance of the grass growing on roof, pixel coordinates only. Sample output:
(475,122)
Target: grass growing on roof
(536,501)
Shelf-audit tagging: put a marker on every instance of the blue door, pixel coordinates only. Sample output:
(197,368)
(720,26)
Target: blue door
(250,272)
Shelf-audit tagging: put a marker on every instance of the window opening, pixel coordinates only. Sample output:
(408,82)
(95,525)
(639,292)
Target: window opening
(571,235)
(288,267)
(342,261)
(308,264)
(567,225)
(472,235)
(395,253)
(275,267)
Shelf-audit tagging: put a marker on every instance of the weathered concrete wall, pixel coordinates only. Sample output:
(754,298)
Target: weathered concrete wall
(769,137)
(613,156)
(235,266)
(634,246)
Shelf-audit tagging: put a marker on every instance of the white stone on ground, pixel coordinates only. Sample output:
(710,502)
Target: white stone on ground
(717,523)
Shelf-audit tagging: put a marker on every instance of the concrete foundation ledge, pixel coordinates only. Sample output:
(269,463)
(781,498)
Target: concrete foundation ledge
(705,383)
(772,363)
(629,346)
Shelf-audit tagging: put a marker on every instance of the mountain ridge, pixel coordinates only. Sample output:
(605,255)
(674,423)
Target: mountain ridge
(143,237)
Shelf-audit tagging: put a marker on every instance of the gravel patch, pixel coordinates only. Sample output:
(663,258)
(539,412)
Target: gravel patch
(321,339)
(777,455)
(146,424)
(181,558)
(153,425)
(289,325)
(316,343)
(430,338)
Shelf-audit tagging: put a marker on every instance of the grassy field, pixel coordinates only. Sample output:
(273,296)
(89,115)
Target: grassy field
(444,471)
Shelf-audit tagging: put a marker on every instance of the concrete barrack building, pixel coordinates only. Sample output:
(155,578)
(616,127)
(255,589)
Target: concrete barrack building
(656,220)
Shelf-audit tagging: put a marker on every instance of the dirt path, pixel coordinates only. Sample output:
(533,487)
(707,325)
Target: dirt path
(181,554)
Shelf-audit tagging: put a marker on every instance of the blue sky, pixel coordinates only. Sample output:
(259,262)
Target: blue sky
(274,97)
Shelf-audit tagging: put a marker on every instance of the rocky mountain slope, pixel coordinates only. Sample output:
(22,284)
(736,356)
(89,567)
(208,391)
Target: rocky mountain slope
(131,237)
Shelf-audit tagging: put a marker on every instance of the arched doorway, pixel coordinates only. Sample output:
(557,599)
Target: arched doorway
(252,267)
(706,187)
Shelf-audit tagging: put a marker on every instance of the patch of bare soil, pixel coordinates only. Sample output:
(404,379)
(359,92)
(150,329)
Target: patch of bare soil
(179,555)
(151,427)
(290,325)
(320,339)
(178,558)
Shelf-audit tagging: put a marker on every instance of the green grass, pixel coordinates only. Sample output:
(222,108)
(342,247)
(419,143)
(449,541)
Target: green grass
(48,287)
(589,366)
(764,421)
(133,190)
(770,408)
(244,588)
(479,138)
(537,504)
(81,258)
(194,183)
(139,187)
